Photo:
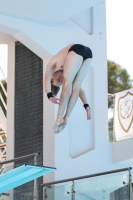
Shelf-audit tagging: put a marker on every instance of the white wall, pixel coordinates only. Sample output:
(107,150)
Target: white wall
(73,155)
(72,141)
(99,158)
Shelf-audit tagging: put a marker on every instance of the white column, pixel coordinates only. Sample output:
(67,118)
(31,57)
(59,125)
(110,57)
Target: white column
(10,101)
(48,135)
(10,109)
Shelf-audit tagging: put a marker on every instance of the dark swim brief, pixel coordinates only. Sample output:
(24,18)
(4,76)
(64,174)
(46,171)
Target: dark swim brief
(81,50)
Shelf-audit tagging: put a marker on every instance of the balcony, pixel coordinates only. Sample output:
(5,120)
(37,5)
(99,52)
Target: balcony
(112,185)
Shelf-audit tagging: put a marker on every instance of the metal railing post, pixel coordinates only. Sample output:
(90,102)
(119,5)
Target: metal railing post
(73,190)
(35,189)
(130,184)
(45,193)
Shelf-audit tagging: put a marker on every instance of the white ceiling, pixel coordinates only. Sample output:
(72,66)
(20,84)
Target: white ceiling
(48,12)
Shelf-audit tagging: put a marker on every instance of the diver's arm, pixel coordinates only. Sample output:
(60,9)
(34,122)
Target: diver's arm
(48,76)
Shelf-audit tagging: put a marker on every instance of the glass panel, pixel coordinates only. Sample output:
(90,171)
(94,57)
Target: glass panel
(107,187)
(61,192)
(111,136)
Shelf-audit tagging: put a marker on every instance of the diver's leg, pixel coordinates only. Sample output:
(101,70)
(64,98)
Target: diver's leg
(72,66)
(76,87)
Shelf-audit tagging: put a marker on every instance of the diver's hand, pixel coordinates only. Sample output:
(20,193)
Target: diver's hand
(88,113)
(54,100)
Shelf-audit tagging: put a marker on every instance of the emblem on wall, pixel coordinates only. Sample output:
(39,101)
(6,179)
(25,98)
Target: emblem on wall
(123,118)
(125,111)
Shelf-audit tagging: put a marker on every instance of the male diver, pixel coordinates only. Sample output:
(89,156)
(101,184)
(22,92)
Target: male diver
(68,68)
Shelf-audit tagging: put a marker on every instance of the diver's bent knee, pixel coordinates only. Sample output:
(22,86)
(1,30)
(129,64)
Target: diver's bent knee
(76,88)
(66,84)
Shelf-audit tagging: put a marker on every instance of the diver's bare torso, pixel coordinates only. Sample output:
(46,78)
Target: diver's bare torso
(60,58)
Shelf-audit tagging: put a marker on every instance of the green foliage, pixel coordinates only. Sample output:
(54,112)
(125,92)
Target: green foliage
(118,80)
(3,95)
(110,122)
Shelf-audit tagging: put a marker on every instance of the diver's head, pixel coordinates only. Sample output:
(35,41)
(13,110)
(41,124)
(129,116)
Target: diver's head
(56,81)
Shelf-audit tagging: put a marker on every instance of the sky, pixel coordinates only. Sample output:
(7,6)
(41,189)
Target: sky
(3,60)
(119,22)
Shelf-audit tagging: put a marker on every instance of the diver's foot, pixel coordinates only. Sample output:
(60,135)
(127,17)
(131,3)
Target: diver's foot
(58,124)
(65,121)
(60,128)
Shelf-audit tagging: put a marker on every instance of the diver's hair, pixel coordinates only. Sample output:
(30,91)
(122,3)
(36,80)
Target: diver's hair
(55,89)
